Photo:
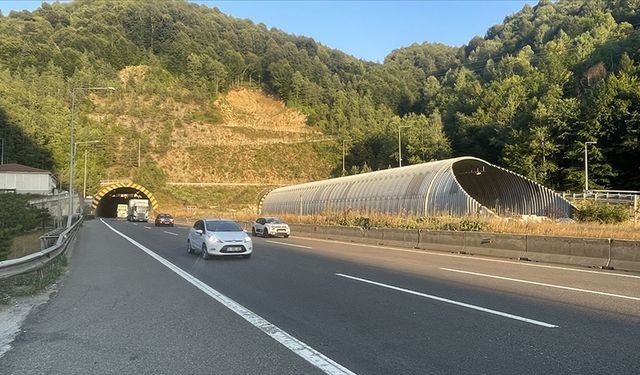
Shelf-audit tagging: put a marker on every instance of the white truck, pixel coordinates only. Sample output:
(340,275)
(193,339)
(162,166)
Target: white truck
(122,211)
(138,210)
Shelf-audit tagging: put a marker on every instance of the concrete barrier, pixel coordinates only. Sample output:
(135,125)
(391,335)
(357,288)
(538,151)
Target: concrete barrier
(441,240)
(625,255)
(354,234)
(593,252)
(373,236)
(400,237)
(495,244)
(308,230)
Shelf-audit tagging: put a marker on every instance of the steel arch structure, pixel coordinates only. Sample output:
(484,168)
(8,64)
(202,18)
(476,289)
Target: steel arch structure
(457,187)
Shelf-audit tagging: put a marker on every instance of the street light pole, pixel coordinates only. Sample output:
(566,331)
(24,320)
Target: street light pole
(72,145)
(586,166)
(400,144)
(344,170)
(84,184)
(2,154)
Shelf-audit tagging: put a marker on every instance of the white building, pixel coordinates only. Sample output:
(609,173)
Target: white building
(22,179)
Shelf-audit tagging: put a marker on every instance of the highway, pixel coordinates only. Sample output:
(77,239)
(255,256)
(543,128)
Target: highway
(135,302)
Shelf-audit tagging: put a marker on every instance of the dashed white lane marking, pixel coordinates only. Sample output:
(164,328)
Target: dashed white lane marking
(543,284)
(175,234)
(289,244)
(134,223)
(147,227)
(446,300)
(442,254)
(324,363)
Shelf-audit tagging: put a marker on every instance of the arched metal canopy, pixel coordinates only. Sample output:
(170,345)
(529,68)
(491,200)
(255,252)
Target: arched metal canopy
(458,187)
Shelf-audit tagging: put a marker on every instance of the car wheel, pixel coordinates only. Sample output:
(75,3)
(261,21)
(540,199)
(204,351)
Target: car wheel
(265,233)
(189,248)
(246,256)
(205,254)
(253,231)
(286,236)
(170,225)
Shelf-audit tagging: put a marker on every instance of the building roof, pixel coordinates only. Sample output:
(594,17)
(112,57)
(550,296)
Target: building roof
(13,167)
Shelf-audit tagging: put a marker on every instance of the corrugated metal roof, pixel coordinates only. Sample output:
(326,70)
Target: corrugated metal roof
(458,187)
(14,167)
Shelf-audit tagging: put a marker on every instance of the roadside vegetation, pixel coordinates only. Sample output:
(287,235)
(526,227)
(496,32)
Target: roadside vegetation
(17,218)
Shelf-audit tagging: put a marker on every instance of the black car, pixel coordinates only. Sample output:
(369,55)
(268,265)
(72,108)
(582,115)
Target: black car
(164,219)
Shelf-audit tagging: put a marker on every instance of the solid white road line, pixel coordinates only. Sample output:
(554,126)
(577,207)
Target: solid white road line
(289,244)
(303,350)
(442,254)
(543,284)
(446,300)
(175,234)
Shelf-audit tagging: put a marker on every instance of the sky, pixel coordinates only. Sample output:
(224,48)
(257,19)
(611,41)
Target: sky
(368,30)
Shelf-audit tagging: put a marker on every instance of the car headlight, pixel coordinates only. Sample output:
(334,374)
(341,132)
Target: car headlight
(213,239)
(247,239)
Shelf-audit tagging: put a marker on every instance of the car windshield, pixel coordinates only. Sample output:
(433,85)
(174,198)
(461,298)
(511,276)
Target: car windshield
(274,220)
(223,226)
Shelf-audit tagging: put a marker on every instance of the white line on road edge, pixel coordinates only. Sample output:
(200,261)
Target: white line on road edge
(474,307)
(303,350)
(475,257)
(543,284)
(175,234)
(289,244)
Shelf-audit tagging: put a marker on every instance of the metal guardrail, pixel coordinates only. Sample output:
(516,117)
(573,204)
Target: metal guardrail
(35,261)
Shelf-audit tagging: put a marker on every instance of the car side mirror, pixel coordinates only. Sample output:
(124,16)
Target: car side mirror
(199,231)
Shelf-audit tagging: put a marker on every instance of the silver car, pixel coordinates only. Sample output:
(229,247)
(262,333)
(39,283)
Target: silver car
(219,237)
(270,226)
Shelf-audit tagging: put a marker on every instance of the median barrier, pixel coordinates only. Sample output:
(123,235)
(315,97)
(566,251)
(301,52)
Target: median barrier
(592,252)
(354,234)
(625,255)
(373,236)
(400,237)
(441,240)
(495,244)
(308,230)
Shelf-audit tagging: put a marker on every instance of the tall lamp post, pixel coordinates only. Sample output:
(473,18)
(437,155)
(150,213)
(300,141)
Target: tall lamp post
(2,155)
(72,144)
(586,166)
(344,141)
(84,181)
(400,144)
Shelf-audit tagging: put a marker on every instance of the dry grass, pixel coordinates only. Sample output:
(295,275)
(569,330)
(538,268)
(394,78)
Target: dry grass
(627,231)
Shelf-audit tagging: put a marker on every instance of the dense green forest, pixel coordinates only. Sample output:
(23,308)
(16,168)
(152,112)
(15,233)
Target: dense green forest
(525,96)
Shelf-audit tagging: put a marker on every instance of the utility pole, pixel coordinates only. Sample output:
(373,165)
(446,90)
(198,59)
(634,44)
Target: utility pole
(138,153)
(400,144)
(2,154)
(586,166)
(344,170)
(72,145)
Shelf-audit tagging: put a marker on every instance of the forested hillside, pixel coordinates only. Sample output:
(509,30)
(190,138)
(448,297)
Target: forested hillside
(526,96)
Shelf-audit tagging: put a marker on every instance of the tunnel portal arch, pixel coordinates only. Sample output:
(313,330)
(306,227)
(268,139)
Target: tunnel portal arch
(105,202)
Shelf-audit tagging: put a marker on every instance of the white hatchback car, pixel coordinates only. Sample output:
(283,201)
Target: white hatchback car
(270,226)
(219,237)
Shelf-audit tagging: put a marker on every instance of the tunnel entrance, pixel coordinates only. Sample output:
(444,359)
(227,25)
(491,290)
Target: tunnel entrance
(106,202)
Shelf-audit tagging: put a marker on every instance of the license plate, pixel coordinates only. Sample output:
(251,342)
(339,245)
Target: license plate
(234,248)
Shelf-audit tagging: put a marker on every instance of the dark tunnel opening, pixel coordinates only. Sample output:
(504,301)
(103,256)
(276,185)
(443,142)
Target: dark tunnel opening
(108,205)
(507,193)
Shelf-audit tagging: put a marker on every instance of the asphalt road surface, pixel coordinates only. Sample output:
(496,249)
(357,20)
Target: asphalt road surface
(135,302)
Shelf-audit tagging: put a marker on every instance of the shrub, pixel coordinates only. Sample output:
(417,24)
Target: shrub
(602,213)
